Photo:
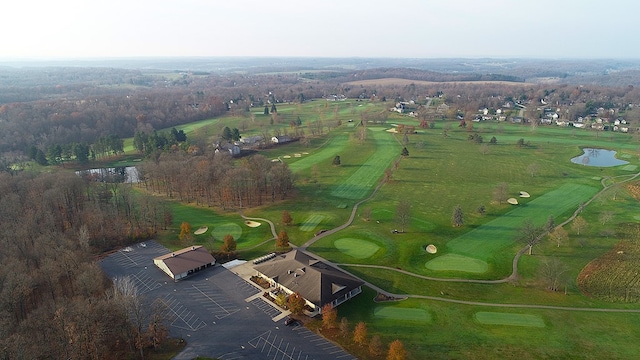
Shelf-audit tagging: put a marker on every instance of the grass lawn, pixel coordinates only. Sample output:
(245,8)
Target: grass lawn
(367,175)
(512,319)
(455,262)
(311,222)
(357,248)
(402,313)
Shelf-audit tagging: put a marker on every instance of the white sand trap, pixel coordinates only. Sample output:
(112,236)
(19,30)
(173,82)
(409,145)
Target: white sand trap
(275,160)
(305,153)
(201,230)
(431,249)
(392,130)
(297,155)
(287,156)
(524,194)
(513,201)
(252,224)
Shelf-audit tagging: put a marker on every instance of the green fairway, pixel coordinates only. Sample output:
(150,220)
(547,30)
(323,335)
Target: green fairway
(357,248)
(332,148)
(404,314)
(221,230)
(629,168)
(362,181)
(311,222)
(454,262)
(500,318)
(485,241)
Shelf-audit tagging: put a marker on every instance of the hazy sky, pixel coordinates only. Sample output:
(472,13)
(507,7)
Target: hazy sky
(326,28)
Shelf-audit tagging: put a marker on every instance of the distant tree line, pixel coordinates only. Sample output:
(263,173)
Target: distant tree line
(215,179)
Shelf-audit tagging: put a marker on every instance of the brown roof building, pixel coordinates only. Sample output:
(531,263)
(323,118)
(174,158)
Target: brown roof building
(317,282)
(182,263)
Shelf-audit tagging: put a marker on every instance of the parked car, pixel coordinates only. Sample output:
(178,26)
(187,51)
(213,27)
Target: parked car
(289,321)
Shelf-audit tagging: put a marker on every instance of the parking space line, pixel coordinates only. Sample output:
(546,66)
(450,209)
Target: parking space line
(127,256)
(183,315)
(223,308)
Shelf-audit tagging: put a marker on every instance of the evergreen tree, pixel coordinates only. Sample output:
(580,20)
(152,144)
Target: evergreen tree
(457,219)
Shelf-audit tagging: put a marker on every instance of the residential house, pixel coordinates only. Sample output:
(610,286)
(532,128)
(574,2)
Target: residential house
(280,139)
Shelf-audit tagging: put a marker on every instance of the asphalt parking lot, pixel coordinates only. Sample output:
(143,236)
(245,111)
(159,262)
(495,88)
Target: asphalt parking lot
(217,312)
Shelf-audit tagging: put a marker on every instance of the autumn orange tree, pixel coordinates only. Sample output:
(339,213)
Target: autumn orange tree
(229,243)
(286,218)
(185,232)
(296,303)
(396,351)
(283,239)
(329,316)
(360,333)
(375,346)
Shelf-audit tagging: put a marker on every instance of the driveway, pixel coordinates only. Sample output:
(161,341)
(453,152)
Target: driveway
(218,311)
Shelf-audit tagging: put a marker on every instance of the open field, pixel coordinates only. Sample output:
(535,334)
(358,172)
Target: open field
(510,319)
(455,262)
(402,313)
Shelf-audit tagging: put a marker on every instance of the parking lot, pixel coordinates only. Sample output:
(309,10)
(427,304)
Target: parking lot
(217,312)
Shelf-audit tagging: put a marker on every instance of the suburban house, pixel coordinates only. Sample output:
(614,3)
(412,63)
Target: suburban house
(317,282)
(232,149)
(280,139)
(182,263)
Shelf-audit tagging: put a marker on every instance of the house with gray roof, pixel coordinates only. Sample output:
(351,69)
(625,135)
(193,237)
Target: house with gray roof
(317,282)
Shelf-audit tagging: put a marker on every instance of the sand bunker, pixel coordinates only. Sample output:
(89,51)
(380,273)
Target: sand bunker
(431,249)
(287,156)
(524,194)
(201,230)
(297,155)
(252,224)
(513,201)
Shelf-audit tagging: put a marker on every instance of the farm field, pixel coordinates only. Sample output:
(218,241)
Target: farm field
(440,173)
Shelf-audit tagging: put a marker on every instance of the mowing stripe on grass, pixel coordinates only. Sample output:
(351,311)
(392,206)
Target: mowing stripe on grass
(499,318)
(357,248)
(455,262)
(494,236)
(404,314)
(360,183)
(311,222)
(328,151)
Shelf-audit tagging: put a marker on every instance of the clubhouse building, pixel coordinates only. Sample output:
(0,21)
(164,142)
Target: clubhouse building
(317,282)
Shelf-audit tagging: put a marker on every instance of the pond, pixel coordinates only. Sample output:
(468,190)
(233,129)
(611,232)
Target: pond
(598,157)
(125,174)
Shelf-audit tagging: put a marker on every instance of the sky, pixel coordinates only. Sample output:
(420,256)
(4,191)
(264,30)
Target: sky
(81,29)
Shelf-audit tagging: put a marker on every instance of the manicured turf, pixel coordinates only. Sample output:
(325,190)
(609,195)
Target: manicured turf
(227,228)
(496,235)
(329,150)
(500,318)
(311,222)
(357,248)
(361,182)
(629,168)
(404,314)
(454,262)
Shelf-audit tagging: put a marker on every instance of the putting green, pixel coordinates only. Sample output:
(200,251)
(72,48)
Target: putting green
(404,314)
(499,318)
(455,262)
(311,222)
(227,228)
(357,248)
